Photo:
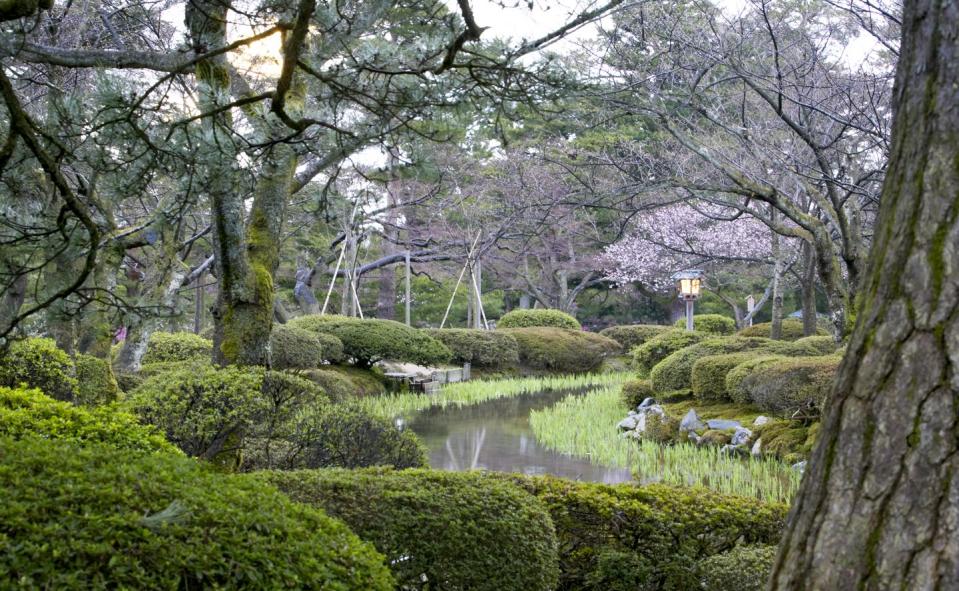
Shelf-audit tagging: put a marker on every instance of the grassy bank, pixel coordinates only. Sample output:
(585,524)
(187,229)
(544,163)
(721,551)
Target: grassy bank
(584,426)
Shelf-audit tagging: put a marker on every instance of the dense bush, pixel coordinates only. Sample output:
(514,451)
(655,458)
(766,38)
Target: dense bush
(791,330)
(792,385)
(38,363)
(32,414)
(711,323)
(735,376)
(439,530)
(635,391)
(96,383)
(789,441)
(482,348)
(826,345)
(93,517)
(338,386)
(562,349)
(629,336)
(744,568)
(538,317)
(670,529)
(620,571)
(709,374)
(647,355)
(177,346)
(298,348)
(369,340)
(675,371)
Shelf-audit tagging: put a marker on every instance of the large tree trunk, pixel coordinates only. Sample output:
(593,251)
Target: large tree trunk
(776,325)
(809,314)
(879,505)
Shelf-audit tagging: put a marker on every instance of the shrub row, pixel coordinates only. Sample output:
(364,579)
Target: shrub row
(538,317)
(297,348)
(481,348)
(177,346)
(561,349)
(710,323)
(633,335)
(792,330)
(647,355)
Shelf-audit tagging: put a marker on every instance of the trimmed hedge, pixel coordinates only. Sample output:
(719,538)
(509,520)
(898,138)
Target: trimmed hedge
(788,386)
(177,346)
(562,349)
(297,348)
(711,323)
(635,391)
(709,374)
(826,345)
(369,340)
(647,355)
(439,530)
(38,363)
(481,348)
(94,517)
(668,529)
(792,330)
(675,372)
(735,377)
(744,568)
(538,317)
(96,383)
(29,413)
(629,336)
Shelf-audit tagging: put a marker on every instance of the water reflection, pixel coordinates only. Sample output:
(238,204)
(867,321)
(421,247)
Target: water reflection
(496,435)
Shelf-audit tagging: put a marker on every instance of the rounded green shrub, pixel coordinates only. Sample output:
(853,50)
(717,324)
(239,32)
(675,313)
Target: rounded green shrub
(538,317)
(369,340)
(298,348)
(177,346)
(647,355)
(439,530)
(792,330)
(337,386)
(635,391)
(481,348)
(669,529)
(629,336)
(93,517)
(826,345)
(709,323)
(792,385)
(96,383)
(562,349)
(617,570)
(735,376)
(709,374)
(744,568)
(29,413)
(663,429)
(38,363)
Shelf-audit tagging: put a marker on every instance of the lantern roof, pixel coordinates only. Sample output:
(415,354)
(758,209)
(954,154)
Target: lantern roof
(688,274)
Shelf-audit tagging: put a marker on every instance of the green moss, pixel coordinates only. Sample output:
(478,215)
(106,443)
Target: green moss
(744,413)
(714,437)
(789,441)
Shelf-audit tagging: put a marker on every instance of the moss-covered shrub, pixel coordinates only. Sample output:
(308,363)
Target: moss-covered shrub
(439,530)
(675,372)
(710,323)
(538,317)
(96,384)
(670,529)
(661,429)
(359,382)
(298,348)
(647,355)
(709,374)
(93,517)
(735,376)
(789,441)
(744,568)
(792,385)
(633,335)
(792,330)
(26,413)
(177,346)
(482,348)
(338,387)
(826,345)
(369,340)
(562,349)
(38,363)
(635,391)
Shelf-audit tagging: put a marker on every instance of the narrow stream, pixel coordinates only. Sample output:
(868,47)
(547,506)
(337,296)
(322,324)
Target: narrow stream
(496,435)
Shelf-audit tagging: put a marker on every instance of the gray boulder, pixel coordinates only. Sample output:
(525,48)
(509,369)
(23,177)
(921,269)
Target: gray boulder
(760,421)
(800,466)
(741,436)
(647,402)
(757,448)
(732,450)
(690,422)
(694,438)
(629,423)
(722,424)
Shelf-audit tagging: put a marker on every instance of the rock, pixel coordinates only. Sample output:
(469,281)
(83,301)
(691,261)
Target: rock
(757,448)
(628,424)
(640,427)
(647,402)
(691,422)
(760,421)
(654,410)
(800,466)
(732,450)
(632,413)
(722,424)
(694,438)
(741,436)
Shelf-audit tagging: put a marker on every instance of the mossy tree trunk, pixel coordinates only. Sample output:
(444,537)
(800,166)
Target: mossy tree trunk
(879,505)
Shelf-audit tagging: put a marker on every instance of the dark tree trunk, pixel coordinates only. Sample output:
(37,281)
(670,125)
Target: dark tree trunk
(879,505)
(809,313)
(776,324)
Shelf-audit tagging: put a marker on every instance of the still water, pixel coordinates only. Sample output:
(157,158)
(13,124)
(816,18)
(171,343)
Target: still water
(496,435)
